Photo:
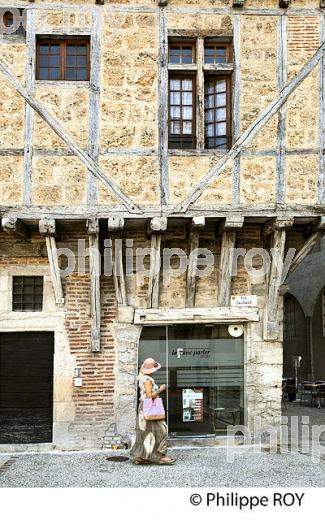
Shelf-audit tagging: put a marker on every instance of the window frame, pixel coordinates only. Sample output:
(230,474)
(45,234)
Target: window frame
(22,294)
(193,135)
(218,44)
(227,78)
(63,42)
(182,43)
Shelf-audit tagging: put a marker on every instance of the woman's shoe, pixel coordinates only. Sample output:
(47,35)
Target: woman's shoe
(166,461)
(141,461)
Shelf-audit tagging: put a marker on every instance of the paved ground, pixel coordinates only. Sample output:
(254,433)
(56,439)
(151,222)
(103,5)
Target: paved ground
(194,468)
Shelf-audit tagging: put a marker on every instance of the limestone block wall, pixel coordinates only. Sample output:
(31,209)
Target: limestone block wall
(127,113)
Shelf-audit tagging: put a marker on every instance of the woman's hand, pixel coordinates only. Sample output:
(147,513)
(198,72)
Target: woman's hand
(162,388)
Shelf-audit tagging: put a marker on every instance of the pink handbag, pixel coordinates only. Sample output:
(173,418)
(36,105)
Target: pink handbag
(153,409)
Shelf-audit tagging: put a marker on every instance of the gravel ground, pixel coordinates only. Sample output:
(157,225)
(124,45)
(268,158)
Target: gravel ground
(193,468)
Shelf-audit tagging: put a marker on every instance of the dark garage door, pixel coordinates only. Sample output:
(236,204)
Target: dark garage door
(26,387)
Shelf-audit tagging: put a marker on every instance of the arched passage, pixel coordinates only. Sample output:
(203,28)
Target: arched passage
(295,339)
(318,336)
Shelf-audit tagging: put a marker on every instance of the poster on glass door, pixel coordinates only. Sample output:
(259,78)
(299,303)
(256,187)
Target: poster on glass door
(192,404)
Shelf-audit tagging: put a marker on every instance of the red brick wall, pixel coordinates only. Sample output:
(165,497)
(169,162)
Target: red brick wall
(303,33)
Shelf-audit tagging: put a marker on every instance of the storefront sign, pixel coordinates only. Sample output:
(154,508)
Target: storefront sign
(249,300)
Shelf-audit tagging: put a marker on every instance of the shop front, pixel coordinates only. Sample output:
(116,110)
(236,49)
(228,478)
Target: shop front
(203,368)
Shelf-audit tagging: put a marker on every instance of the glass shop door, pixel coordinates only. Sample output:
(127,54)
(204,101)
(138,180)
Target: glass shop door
(202,366)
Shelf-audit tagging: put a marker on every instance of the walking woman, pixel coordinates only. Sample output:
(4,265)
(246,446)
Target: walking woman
(151,435)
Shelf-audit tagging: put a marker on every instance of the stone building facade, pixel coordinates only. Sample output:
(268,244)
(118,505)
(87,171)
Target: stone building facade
(133,128)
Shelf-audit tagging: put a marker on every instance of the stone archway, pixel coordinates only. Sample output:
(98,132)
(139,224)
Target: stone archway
(295,339)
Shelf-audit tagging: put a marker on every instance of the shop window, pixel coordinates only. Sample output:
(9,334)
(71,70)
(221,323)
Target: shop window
(27,293)
(66,60)
(217,112)
(182,129)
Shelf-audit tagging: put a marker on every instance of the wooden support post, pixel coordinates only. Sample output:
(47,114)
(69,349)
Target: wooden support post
(317,233)
(197,225)
(228,231)
(271,323)
(47,228)
(236,117)
(163,103)
(281,131)
(156,227)
(115,226)
(200,94)
(94,269)
(54,269)
(15,227)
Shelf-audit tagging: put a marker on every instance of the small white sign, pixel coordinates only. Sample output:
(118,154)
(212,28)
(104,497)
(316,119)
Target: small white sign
(249,300)
(59,301)
(77,381)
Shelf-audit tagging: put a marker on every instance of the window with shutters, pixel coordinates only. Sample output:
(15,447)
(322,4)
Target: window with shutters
(182,112)
(199,93)
(217,112)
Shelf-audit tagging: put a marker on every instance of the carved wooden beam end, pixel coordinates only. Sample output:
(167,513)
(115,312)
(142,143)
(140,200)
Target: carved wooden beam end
(157,225)
(284,4)
(47,226)
(115,223)
(13,226)
(92,226)
(277,224)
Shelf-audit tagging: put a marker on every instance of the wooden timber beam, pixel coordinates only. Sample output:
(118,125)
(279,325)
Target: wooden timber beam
(228,230)
(68,139)
(197,225)
(47,228)
(157,226)
(317,234)
(115,226)
(15,227)
(54,269)
(251,131)
(271,324)
(94,269)
(196,315)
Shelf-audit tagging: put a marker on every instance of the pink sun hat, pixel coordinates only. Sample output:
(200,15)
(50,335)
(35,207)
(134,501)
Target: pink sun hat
(149,366)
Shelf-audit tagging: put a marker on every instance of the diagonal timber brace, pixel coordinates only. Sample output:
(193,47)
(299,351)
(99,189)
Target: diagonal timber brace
(251,131)
(69,141)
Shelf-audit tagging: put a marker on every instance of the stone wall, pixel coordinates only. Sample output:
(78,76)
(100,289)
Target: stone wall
(128,114)
(105,406)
